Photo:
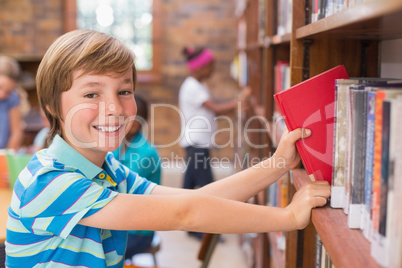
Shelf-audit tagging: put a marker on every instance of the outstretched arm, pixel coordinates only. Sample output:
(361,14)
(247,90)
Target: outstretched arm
(206,213)
(247,183)
(228,106)
(205,209)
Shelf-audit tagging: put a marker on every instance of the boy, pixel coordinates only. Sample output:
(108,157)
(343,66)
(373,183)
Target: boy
(73,201)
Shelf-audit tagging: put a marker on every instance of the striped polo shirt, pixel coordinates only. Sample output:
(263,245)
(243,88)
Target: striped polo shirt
(57,189)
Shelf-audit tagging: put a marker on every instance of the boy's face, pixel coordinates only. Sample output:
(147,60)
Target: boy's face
(97,112)
(7,86)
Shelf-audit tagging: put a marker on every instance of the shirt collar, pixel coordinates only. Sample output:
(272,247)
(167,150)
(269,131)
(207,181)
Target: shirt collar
(67,155)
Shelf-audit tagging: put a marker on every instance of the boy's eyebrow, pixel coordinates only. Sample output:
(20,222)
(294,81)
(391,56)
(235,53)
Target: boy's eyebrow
(91,84)
(96,83)
(128,81)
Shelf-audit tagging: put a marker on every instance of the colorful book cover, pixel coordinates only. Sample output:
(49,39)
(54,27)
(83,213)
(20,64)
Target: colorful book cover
(381,95)
(310,104)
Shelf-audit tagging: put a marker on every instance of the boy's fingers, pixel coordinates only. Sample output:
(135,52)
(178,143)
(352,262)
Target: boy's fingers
(298,133)
(319,201)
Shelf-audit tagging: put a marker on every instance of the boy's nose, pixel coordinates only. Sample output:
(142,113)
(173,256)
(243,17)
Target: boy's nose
(113,107)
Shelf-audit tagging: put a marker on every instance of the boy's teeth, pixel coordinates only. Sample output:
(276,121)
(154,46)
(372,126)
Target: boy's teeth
(107,129)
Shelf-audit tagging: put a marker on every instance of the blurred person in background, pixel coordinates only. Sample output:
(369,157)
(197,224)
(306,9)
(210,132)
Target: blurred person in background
(11,132)
(199,111)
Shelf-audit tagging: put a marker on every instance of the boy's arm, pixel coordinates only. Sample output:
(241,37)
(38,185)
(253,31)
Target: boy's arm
(206,213)
(247,183)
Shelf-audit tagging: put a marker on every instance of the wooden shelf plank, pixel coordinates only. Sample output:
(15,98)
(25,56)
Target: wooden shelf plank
(346,247)
(375,20)
(26,57)
(280,39)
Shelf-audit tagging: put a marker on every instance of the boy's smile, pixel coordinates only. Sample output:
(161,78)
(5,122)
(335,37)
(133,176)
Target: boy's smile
(97,112)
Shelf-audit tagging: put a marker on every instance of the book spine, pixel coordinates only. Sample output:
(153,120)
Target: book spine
(386,120)
(375,208)
(395,212)
(348,153)
(366,212)
(318,251)
(358,152)
(338,172)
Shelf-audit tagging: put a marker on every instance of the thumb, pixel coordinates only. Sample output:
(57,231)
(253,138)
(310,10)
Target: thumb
(298,133)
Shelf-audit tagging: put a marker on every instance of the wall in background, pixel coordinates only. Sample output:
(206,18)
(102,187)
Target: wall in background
(28,27)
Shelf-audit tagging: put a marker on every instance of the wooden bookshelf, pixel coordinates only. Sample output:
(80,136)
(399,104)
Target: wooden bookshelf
(352,38)
(371,20)
(280,39)
(346,247)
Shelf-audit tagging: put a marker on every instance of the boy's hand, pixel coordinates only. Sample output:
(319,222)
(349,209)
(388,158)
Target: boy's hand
(311,195)
(287,150)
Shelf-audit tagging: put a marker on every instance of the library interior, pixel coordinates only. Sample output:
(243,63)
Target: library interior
(222,80)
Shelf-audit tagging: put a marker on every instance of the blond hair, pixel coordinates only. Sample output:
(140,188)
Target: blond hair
(9,67)
(86,50)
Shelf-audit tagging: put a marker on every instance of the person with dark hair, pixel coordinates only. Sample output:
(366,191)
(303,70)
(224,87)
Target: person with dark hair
(140,156)
(199,111)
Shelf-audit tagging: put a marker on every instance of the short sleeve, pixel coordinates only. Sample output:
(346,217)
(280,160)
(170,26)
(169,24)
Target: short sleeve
(60,201)
(195,93)
(128,181)
(13,100)
(137,184)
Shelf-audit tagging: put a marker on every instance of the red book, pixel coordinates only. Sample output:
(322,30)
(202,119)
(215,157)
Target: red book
(311,104)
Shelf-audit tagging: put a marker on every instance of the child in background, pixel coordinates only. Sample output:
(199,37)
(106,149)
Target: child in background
(40,139)
(74,201)
(140,156)
(199,112)
(10,115)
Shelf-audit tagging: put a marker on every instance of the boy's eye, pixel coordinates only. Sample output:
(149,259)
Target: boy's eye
(125,92)
(90,95)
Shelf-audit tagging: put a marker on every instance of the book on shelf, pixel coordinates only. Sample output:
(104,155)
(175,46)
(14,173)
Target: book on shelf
(394,198)
(381,95)
(277,196)
(340,150)
(281,82)
(367,118)
(262,7)
(366,223)
(310,104)
(318,251)
(358,144)
(282,78)
(349,143)
(284,17)
(324,8)
(383,194)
